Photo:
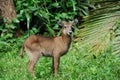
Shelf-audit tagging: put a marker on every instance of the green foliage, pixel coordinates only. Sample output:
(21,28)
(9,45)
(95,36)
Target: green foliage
(116,40)
(99,27)
(6,31)
(48,12)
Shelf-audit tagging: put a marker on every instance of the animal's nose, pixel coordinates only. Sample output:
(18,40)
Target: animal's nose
(70,32)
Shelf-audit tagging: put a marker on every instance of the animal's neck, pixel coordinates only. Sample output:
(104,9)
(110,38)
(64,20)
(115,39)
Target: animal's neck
(66,39)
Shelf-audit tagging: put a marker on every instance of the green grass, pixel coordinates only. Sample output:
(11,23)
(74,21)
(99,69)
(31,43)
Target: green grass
(77,64)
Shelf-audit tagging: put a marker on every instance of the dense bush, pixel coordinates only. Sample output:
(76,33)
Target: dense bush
(44,14)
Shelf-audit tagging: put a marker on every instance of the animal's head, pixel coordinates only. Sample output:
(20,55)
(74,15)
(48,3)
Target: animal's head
(67,26)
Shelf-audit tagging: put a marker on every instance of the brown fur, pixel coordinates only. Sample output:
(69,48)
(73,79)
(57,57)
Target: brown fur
(37,46)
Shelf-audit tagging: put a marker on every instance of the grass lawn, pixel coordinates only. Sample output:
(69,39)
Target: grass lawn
(75,65)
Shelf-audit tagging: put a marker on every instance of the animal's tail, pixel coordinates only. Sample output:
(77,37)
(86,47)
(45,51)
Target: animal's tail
(22,51)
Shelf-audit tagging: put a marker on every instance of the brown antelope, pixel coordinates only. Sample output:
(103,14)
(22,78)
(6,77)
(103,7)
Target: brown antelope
(37,46)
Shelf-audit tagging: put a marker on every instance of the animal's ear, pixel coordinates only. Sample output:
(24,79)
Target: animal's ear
(60,23)
(75,21)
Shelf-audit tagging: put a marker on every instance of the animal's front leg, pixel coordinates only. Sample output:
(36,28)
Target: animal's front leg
(56,62)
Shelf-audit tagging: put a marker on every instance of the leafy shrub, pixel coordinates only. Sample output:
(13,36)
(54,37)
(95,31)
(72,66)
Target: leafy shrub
(44,14)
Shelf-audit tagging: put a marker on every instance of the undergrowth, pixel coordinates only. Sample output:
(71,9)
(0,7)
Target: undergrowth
(75,65)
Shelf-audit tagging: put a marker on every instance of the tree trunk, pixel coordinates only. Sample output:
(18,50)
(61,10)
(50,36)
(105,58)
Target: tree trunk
(7,10)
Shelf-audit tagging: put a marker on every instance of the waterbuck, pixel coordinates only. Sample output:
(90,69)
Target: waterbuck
(37,46)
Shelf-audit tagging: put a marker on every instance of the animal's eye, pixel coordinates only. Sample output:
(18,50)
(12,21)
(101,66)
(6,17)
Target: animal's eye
(65,27)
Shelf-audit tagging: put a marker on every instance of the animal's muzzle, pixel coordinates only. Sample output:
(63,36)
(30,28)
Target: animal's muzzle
(70,32)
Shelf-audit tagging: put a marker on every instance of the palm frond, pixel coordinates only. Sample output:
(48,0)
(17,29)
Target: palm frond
(95,32)
(116,42)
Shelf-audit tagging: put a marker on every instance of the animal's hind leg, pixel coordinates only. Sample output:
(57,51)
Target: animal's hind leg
(31,65)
